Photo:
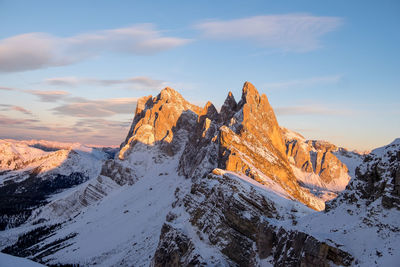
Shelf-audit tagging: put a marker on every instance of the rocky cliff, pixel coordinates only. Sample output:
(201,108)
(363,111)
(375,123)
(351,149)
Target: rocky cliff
(316,164)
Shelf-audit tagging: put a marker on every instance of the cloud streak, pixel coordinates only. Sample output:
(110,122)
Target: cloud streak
(288,32)
(48,96)
(7,121)
(97,108)
(40,50)
(136,83)
(96,130)
(6,107)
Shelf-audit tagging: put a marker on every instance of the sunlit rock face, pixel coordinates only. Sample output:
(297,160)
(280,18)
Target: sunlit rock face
(251,143)
(158,119)
(317,157)
(316,164)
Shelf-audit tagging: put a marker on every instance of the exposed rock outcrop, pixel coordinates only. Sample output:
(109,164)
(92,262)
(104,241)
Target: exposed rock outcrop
(158,119)
(377,180)
(235,219)
(316,164)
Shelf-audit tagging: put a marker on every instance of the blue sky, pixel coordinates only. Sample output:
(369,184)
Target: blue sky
(72,70)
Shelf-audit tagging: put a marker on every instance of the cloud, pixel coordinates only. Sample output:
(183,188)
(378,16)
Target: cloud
(7,121)
(48,96)
(6,107)
(93,130)
(22,110)
(312,110)
(8,88)
(40,50)
(137,83)
(294,84)
(101,123)
(98,108)
(288,32)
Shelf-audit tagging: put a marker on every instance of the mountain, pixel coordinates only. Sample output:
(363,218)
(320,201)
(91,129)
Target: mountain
(191,186)
(31,171)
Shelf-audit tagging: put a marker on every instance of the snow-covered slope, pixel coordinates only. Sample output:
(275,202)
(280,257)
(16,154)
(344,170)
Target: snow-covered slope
(12,261)
(365,217)
(124,225)
(33,171)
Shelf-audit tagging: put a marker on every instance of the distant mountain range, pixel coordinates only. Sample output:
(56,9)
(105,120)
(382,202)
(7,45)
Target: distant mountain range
(192,186)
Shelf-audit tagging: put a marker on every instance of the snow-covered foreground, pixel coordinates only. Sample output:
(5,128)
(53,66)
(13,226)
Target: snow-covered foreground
(123,226)
(12,261)
(372,239)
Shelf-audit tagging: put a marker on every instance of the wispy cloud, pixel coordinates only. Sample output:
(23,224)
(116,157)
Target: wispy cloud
(4,120)
(22,110)
(97,123)
(303,83)
(86,130)
(6,107)
(97,108)
(136,83)
(40,50)
(7,88)
(48,96)
(312,110)
(288,32)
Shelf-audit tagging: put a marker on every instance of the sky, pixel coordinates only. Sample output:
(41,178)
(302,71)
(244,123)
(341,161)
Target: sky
(73,70)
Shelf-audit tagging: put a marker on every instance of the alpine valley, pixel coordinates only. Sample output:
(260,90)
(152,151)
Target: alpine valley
(192,186)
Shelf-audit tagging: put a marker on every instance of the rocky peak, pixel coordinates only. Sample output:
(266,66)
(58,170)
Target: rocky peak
(169,94)
(228,109)
(249,94)
(209,111)
(158,119)
(257,117)
(251,143)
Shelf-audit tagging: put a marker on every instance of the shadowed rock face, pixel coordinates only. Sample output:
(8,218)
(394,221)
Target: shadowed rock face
(377,180)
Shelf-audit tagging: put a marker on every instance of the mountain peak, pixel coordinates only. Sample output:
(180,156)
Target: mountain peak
(248,87)
(209,111)
(249,91)
(169,93)
(228,108)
